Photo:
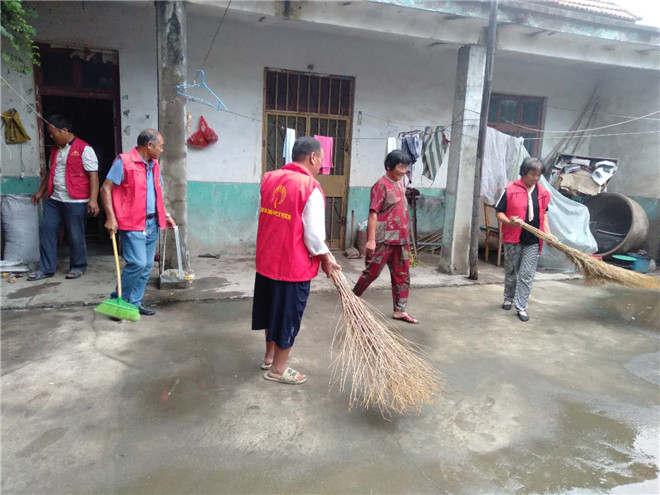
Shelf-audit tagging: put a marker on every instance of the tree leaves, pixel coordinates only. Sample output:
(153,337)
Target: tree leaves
(19,51)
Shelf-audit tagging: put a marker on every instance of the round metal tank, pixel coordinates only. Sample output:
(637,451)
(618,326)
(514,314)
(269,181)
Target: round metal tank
(618,223)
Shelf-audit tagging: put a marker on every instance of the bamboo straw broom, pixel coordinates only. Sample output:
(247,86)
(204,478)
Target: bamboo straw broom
(384,370)
(595,270)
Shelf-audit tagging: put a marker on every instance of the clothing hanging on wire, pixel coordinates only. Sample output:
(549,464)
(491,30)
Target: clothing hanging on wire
(327,145)
(15,133)
(434,147)
(411,145)
(392,144)
(289,139)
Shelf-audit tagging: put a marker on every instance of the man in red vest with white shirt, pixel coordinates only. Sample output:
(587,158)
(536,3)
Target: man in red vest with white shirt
(290,248)
(132,195)
(72,186)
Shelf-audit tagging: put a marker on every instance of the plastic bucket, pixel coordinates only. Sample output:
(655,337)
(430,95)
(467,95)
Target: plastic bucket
(623,261)
(641,263)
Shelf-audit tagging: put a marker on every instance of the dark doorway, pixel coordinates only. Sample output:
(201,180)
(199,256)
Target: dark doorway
(93,122)
(83,85)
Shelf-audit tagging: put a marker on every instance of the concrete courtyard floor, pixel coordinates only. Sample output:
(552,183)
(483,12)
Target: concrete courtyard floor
(566,403)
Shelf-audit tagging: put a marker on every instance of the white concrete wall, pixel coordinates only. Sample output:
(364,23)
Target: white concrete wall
(22,158)
(404,80)
(566,87)
(626,94)
(397,80)
(126,28)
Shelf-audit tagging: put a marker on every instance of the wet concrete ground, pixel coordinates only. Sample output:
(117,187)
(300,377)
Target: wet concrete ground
(566,403)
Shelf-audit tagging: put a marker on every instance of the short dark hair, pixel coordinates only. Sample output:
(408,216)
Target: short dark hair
(395,157)
(530,164)
(60,121)
(147,136)
(303,147)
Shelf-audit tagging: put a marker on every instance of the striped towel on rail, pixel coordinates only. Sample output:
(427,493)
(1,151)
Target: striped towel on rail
(434,146)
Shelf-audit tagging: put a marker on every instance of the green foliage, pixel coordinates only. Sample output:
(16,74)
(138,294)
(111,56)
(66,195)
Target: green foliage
(19,52)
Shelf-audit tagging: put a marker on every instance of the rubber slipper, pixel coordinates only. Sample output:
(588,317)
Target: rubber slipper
(288,377)
(73,274)
(265,366)
(407,319)
(33,277)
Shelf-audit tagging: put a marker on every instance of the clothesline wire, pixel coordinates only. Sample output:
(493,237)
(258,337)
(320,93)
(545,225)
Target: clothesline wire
(407,125)
(579,131)
(630,119)
(604,113)
(283,127)
(604,135)
(215,35)
(449,125)
(24,100)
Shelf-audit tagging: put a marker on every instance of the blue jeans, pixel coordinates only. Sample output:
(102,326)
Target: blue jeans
(74,216)
(139,249)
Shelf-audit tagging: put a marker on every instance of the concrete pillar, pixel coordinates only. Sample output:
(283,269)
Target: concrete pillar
(172,70)
(462,159)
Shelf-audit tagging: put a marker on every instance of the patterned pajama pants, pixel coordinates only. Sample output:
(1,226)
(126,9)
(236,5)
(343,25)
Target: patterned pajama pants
(519,269)
(397,259)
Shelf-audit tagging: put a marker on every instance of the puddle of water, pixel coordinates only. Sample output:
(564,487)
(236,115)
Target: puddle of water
(646,367)
(206,283)
(589,453)
(637,308)
(32,291)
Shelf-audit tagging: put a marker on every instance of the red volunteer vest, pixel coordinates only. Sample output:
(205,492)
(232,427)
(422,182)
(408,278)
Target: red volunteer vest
(281,250)
(129,199)
(77,181)
(516,205)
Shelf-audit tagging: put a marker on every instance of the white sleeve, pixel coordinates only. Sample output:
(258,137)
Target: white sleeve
(90,162)
(313,218)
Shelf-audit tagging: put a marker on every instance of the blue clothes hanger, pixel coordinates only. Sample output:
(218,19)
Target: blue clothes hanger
(180,89)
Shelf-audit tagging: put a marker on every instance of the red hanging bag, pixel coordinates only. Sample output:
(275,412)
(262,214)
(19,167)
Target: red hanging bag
(203,136)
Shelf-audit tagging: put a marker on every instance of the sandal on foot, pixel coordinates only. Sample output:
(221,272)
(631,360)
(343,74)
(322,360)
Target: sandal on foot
(407,319)
(288,377)
(38,275)
(266,366)
(73,274)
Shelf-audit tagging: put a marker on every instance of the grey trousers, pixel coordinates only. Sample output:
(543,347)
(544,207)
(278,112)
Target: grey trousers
(519,269)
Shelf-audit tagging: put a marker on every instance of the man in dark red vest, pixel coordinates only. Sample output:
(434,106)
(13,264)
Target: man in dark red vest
(72,186)
(290,248)
(132,196)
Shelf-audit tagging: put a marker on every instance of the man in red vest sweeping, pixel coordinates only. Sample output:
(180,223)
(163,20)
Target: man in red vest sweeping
(72,186)
(290,248)
(132,196)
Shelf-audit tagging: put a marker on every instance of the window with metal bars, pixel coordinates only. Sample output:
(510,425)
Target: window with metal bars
(312,104)
(508,112)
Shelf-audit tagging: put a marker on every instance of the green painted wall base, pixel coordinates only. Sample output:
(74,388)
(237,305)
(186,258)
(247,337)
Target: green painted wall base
(430,209)
(222,217)
(16,185)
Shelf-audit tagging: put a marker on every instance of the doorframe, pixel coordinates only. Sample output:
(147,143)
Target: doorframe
(348,118)
(40,91)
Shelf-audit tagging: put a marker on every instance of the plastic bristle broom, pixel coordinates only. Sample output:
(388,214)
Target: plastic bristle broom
(118,308)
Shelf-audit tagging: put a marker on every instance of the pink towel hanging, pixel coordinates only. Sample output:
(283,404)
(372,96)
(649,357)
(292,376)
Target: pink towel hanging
(327,145)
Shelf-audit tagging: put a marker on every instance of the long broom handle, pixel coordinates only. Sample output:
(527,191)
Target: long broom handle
(114,247)
(540,234)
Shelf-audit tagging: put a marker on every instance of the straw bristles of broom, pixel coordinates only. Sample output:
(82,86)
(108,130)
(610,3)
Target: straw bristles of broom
(384,371)
(595,270)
